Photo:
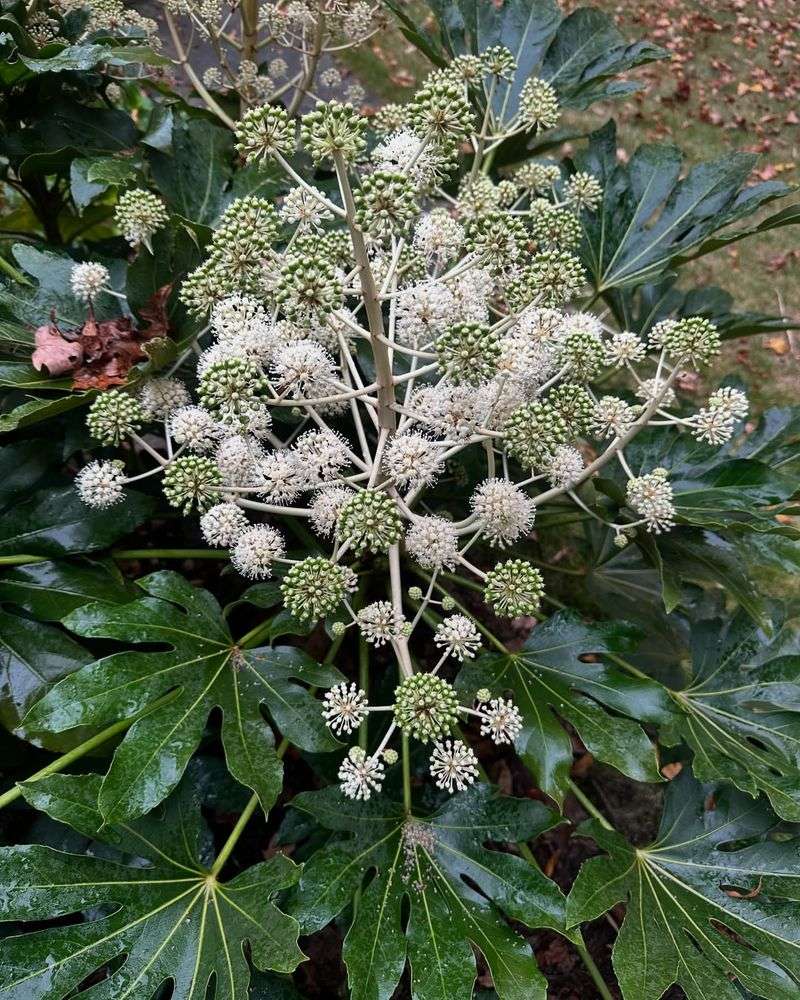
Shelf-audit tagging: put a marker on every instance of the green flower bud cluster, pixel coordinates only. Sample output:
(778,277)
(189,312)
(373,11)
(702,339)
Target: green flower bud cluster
(514,588)
(554,226)
(314,587)
(113,416)
(140,214)
(553,277)
(390,118)
(500,62)
(192,481)
(538,177)
(369,520)
(308,286)
(386,203)
(468,353)
(584,353)
(533,432)
(538,104)
(583,191)
(231,387)
(574,404)
(425,706)
(499,239)
(693,340)
(263,131)
(333,129)
(440,110)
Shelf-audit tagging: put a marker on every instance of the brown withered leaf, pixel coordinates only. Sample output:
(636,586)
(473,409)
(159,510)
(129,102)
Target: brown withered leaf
(55,354)
(101,354)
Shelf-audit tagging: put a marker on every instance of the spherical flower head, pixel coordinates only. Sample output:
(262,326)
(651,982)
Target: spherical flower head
(385,203)
(505,511)
(235,315)
(223,524)
(325,508)
(263,131)
(369,520)
(613,417)
(322,455)
(651,497)
(441,111)
(256,550)
(280,479)
(333,130)
(714,426)
(379,623)
(389,118)
(507,192)
(301,208)
(498,239)
(554,225)
(425,706)
(88,280)
(458,636)
(308,287)
(574,404)
(412,459)
(100,484)
(113,416)
(161,397)
(424,311)
(730,401)
(390,756)
(230,388)
(192,481)
(540,178)
(140,214)
(514,588)
(454,765)
(624,348)
(360,775)
(552,277)
(467,68)
(239,458)
(195,428)
(432,543)
(693,340)
(584,354)
(344,708)
(468,353)
(538,104)
(533,432)
(583,191)
(499,61)
(314,588)
(565,466)
(650,388)
(330,77)
(438,236)
(478,197)
(502,721)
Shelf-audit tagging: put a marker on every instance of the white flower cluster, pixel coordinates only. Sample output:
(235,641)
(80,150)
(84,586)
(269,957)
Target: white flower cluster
(404,373)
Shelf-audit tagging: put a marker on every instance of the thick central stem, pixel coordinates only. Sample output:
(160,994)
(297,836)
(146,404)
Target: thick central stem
(387,418)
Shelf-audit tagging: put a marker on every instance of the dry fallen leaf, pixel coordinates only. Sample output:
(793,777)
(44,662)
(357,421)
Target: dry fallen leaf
(55,354)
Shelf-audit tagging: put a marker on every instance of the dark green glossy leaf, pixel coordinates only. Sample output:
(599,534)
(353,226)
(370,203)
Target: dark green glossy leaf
(23,465)
(740,710)
(33,657)
(194,173)
(203,663)
(50,590)
(427,861)
(55,522)
(702,909)
(549,680)
(650,216)
(161,913)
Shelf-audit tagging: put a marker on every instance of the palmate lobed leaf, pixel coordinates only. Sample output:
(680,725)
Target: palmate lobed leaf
(651,217)
(457,890)
(204,667)
(149,907)
(550,681)
(740,712)
(711,901)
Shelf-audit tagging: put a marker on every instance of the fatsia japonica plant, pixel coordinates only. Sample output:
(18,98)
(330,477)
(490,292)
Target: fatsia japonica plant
(424,400)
